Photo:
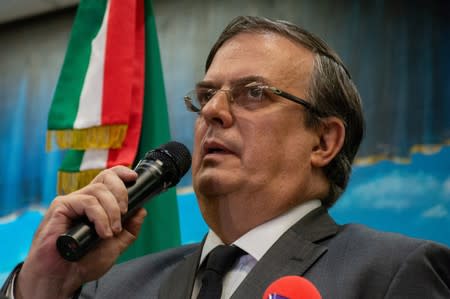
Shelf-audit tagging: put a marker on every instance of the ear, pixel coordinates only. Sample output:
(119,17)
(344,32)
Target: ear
(331,139)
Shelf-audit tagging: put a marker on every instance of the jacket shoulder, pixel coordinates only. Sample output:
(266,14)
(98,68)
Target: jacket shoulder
(137,278)
(374,264)
(383,248)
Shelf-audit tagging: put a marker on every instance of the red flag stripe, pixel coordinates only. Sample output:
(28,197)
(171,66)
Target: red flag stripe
(118,67)
(127,153)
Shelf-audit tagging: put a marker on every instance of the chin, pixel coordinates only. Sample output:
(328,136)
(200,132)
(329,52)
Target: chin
(213,183)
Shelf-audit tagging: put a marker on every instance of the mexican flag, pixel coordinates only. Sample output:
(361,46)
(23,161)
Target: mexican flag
(109,106)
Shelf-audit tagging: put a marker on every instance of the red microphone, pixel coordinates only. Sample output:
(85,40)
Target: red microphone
(291,287)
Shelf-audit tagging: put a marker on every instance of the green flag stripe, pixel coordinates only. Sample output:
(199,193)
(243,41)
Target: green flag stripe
(68,90)
(72,161)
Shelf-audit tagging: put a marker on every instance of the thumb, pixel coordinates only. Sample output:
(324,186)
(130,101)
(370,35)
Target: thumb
(131,229)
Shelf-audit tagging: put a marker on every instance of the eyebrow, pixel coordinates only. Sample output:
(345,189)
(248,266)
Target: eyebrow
(239,81)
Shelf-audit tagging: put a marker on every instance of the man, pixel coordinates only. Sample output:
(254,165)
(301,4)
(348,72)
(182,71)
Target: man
(279,123)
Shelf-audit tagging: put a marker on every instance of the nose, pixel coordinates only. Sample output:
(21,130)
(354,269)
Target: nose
(218,109)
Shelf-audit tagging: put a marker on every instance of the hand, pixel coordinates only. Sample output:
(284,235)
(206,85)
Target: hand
(45,274)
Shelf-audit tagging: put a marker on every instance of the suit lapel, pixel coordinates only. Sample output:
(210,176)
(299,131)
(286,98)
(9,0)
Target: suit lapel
(293,254)
(181,278)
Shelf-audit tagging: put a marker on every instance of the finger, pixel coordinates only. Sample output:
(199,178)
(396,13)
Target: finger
(77,205)
(114,179)
(108,250)
(108,202)
(125,173)
(131,229)
(111,205)
(134,224)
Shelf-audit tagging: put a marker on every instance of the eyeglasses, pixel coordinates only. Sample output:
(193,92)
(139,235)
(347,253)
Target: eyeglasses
(250,96)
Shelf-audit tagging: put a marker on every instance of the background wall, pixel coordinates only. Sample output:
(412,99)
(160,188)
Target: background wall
(397,52)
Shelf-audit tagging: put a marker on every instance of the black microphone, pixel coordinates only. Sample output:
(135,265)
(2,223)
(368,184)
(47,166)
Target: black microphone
(160,169)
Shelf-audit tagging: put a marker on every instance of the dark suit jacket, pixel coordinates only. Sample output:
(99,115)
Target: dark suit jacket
(343,262)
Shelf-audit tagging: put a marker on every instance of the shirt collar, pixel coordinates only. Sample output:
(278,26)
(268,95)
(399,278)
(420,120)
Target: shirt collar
(257,241)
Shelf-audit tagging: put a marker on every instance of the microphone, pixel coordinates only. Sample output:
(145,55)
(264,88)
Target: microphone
(291,287)
(160,169)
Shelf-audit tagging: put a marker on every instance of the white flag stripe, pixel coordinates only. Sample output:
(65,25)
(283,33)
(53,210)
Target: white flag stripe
(90,106)
(94,159)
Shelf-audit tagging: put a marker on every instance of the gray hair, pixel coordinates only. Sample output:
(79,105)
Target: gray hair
(331,91)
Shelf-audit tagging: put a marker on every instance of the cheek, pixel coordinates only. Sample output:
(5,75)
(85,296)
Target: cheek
(275,144)
(261,143)
(199,134)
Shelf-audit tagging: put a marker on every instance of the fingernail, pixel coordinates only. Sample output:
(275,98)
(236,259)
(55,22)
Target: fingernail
(123,207)
(117,226)
(109,232)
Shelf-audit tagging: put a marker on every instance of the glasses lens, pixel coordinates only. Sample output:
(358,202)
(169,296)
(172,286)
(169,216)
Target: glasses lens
(191,102)
(197,99)
(248,95)
(203,95)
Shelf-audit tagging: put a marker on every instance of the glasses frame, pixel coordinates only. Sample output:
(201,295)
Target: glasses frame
(307,105)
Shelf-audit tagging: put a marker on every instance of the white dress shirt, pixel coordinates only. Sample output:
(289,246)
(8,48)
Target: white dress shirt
(255,243)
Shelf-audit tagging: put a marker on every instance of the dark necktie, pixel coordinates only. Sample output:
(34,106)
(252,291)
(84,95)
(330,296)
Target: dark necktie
(219,261)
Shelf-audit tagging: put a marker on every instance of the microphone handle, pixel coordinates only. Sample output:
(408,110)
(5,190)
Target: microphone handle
(80,238)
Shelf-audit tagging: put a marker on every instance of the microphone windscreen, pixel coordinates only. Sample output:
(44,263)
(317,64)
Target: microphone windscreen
(291,287)
(176,160)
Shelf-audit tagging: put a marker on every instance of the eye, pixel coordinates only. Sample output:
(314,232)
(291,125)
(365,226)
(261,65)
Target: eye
(204,95)
(251,96)
(255,93)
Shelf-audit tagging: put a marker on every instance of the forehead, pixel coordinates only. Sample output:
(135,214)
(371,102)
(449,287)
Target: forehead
(268,55)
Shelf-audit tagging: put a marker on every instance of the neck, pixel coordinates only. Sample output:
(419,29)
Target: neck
(231,218)
(233,214)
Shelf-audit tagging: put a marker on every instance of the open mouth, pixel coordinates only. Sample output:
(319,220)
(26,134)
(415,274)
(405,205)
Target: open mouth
(216,151)
(214,148)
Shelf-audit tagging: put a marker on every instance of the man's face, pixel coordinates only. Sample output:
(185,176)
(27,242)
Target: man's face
(258,158)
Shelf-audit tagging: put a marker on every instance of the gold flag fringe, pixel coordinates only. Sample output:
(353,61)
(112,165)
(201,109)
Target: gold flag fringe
(72,181)
(101,137)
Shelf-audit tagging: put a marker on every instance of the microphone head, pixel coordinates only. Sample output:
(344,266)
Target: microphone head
(291,287)
(176,160)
